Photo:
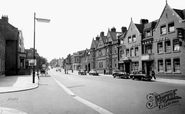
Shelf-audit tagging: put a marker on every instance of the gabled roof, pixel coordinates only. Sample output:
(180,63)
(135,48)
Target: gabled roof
(180,13)
(93,44)
(140,27)
(150,25)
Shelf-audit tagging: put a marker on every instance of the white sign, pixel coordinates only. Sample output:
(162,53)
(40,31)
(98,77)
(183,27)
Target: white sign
(32,62)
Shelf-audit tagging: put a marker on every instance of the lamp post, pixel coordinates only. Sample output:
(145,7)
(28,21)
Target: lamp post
(40,20)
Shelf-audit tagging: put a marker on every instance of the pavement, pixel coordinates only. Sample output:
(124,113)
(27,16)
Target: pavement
(9,84)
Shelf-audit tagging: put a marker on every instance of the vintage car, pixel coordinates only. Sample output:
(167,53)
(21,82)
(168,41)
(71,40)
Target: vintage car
(141,75)
(120,74)
(82,72)
(93,72)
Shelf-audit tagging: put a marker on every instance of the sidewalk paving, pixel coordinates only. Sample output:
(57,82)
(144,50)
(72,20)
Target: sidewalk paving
(17,83)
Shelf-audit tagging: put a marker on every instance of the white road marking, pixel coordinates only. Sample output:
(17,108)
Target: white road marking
(89,104)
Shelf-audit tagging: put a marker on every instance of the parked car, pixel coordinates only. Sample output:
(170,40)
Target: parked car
(120,74)
(141,75)
(82,72)
(93,72)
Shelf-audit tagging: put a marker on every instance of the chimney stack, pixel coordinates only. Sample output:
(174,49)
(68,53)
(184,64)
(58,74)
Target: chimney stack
(143,21)
(123,29)
(4,18)
(101,34)
(113,29)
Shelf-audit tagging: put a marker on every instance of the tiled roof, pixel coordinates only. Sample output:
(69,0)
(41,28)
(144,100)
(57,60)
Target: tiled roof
(179,12)
(140,27)
(150,25)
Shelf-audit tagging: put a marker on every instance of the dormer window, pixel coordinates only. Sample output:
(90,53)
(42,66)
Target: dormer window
(163,29)
(148,33)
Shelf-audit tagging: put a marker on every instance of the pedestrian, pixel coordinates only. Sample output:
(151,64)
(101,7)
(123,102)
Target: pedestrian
(72,70)
(38,73)
(152,73)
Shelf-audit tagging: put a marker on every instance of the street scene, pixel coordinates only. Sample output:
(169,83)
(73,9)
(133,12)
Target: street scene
(92,57)
(60,93)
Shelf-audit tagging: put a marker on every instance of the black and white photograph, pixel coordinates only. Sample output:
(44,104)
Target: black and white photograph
(92,57)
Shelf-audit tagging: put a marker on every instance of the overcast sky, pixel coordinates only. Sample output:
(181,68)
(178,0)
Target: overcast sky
(74,23)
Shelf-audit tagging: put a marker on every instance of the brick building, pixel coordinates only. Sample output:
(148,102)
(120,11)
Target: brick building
(91,60)
(131,55)
(10,34)
(2,55)
(169,44)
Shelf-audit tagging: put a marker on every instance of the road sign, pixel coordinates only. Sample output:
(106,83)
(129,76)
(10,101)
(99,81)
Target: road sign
(32,62)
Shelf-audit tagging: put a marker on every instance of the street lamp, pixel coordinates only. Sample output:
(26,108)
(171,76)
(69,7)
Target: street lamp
(34,58)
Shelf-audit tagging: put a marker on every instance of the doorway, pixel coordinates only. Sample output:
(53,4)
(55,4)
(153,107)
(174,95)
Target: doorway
(127,67)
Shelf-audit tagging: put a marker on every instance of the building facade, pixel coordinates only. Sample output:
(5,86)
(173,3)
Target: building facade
(2,55)
(147,56)
(169,44)
(131,55)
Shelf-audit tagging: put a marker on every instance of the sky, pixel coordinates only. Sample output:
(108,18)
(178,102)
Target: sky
(74,23)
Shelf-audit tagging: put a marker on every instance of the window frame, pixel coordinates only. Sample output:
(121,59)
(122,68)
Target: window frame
(169,46)
(169,25)
(161,30)
(160,48)
(168,61)
(129,39)
(134,38)
(160,68)
(177,41)
(174,68)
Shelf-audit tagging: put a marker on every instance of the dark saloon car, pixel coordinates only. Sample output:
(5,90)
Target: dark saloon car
(120,74)
(82,72)
(93,72)
(141,75)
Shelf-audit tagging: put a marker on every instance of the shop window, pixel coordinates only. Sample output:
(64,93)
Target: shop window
(132,52)
(127,52)
(176,65)
(168,65)
(134,38)
(135,66)
(171,27)
(176,45)
(160,47)
(167,46)
(160,66)
(163,29)
(136,51)
(129,39)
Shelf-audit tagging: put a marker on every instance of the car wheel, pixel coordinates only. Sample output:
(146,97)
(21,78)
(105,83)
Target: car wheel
(133,78)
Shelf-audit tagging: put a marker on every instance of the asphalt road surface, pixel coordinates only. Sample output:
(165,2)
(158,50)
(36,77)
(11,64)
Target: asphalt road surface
(84,94)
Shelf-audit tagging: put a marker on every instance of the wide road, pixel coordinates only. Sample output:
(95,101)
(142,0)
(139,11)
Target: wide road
(84,94)
(121,96)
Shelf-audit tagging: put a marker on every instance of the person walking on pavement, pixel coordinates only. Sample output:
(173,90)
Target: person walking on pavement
(38,73)
(152,73)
